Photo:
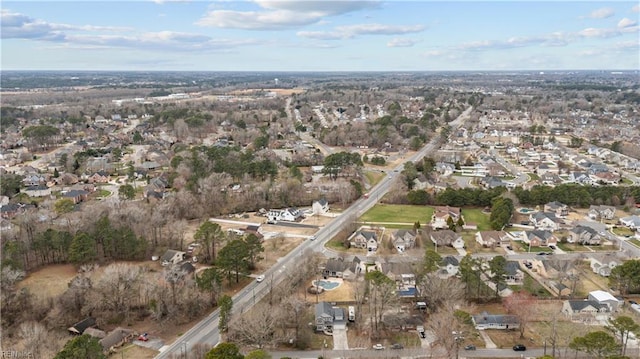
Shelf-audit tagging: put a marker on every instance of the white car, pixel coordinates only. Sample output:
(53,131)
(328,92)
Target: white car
(260,278)
(378,346)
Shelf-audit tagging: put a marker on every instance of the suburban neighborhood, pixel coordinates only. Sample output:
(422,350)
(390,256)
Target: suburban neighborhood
(321,216)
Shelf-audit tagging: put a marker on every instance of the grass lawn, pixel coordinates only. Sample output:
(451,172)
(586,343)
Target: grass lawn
(103,193)
(603,248)
(571,247)
(635,242)
(475,215)
(525,248)
(373,177)
(534,176)
(398,213)
(626,181)
(622,231)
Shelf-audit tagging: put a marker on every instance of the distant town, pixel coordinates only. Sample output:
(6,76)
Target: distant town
(320,215)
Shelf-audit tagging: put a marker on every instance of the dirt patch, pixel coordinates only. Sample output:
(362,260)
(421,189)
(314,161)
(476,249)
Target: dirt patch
(137,352)
(49,282)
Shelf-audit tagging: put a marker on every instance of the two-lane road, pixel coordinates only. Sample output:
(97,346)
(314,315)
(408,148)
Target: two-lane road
(207,332)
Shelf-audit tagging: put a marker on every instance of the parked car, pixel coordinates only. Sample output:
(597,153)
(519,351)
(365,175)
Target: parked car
(143,337)
(552,247)
(378,346)
(509,247)
(470,347)
(397,346)
(633,302)
(260,278)
(519,348)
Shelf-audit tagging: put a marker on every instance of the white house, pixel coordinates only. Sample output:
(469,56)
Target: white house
(607,298)
(545,221)
(320,206)
(403,239)
(633,222)
(601,212)
(288,215)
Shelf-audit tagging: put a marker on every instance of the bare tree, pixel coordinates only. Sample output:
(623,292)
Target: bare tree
(448,329)
(256,328)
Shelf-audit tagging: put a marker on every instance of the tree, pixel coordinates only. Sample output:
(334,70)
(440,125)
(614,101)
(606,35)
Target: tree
(126,191)
(10,184)
(521,305)
(226,304)
(137,137)
(225,351)
(82,249)
(83,346)
(621,327)
(432,261)
(497,267)
(598,344)
(257,327)
(254,248)
(501,212)
(234,259)
(626,277)
(382,292)
(64,205)
(209,233)
(210,280)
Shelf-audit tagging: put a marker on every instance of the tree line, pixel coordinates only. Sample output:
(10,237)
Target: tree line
(576,195)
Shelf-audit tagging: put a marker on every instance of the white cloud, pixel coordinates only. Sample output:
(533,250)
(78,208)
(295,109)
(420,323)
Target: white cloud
(351,31)
(280,15)
(592,32)
(160,2)
(636,8)
(397,42)
(626,22)
(20,26)
(601,13)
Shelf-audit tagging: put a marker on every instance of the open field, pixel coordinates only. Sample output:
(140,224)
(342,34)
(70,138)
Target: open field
(398,214)
(373,177)
(475,215)
(50,281)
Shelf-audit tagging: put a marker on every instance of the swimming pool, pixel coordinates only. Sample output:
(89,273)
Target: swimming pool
(327,285)
(526,210)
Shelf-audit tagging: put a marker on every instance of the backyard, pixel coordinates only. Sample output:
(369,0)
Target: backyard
(478,217)
(392,213)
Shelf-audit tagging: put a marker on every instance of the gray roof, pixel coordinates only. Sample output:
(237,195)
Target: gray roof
(512,267)
(450,260)
(486,318)
(114,337)
(579,305)
(324,309)
(169,254)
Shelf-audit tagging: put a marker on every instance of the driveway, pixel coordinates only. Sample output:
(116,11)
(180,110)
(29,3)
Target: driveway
(488,343)
(340,341)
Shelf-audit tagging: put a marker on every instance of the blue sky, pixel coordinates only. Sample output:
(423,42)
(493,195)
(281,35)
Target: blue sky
(326,35)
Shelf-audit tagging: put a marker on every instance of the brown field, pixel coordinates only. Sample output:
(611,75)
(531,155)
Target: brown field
(133,351)
(49,282)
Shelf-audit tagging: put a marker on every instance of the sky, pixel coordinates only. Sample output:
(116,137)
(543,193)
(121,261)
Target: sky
(325,35)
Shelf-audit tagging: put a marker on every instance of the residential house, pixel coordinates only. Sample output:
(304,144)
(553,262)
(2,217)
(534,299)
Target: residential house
(288,215)
(485,320)
(584,235)
(33,179)
(320,206)
(492,239)
(9,211)
(602,212)
(580,178)
(607,298)
(447,238)
(403,239)
(37,191)
(492,182)
(550,179)
(79,327)
(172,257)
(116,338)
(560,209)
(513,274)
(545,221)
(540,238)
(441,215)
(603,267)
(449,267)
(338,268)
(365,239)
(66,179)
(99,177)
(76,195)
(585,310)
(256,230)
(327,317)
(632,222)
(607,178)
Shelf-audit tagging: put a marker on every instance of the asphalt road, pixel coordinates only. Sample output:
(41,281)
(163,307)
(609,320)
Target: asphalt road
(206,331)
